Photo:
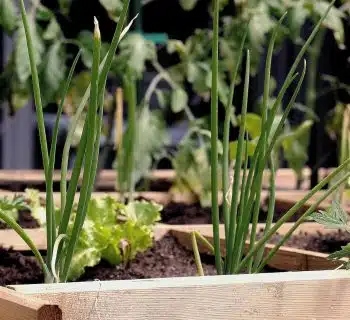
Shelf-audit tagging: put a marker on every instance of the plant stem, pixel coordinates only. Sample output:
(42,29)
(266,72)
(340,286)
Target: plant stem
(41,124)
(289,214)
(197,257)
(214,138)
(89,156)
(226,141)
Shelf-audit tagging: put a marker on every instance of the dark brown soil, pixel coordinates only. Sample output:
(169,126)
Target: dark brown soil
(159,185)
(25,220)
(325,243)
(182,213)
(15,268)
(167,258)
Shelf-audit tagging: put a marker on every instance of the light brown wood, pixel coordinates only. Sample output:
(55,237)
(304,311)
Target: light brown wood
(294,295)
(159,197)
(290,259)
(286,258)
(285,178)
(287,199)
(17,306)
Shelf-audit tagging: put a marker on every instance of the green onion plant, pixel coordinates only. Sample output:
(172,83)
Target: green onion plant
(241,208)
(60,248)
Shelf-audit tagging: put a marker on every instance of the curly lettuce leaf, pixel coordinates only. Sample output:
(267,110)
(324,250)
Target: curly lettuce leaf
(113,232)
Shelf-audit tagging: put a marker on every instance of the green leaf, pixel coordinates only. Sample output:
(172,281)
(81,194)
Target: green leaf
(143,212)
(128,240)
(53,30)
(65,6)
(179,100)
(295,144)
(38,211)
(333,218)
(253,124)
(233,149)
(188,5)
(43,13)
(135,51)
(151,137)
(343,253)
(160,97)
(8,15)
(333,20)
(21,51)
(113,7)
(11,207)
(112,232)
(53,73)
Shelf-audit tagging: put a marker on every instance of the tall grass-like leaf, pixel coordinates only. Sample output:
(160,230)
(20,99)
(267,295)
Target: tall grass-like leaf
(89,154)
(214,137)
(40,120)
(226,137)
(238,164)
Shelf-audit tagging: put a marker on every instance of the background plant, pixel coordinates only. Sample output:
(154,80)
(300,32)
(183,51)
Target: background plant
(241,206)
(60,249)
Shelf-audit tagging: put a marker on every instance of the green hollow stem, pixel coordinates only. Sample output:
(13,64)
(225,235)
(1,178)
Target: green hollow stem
(226,139)
(20,231)
(300,221)
(290,213)
(40,120)
(131,99)
(104,69)
(238,164)
(261,162)
(270,212)
(90,151)
(197,257)
(214,137)
(49,179)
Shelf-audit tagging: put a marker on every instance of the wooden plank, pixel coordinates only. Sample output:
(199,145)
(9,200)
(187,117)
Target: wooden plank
(10,239)
(285,179)
(287,199)
(286,258)
(159,197)
(17,306)
(294,295)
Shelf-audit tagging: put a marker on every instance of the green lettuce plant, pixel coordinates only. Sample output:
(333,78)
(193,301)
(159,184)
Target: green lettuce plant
(60,248)
(241,204)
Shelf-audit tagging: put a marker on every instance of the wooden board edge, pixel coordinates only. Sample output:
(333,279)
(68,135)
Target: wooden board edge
(291,295)
(18,306)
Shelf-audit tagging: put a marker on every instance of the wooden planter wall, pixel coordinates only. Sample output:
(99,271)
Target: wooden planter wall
(297,296)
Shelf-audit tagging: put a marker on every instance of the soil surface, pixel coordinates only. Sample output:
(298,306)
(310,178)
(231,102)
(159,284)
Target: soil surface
(319,242)
(159,185)
(25,220)
(15,268)
(167,258)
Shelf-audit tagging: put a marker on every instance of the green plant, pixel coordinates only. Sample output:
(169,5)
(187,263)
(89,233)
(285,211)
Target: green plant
(60,249)
(246,188)
(114,232)
(11,206)
(194,55)
(192,166)
(335,218)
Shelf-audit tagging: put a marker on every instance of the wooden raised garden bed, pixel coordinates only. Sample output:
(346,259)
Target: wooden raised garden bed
(292,295)
(300,295)
(16,179)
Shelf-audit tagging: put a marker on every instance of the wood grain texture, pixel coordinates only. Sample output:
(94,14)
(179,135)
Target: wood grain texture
(286,258)
(294,295)
(17,306)
(285,178)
